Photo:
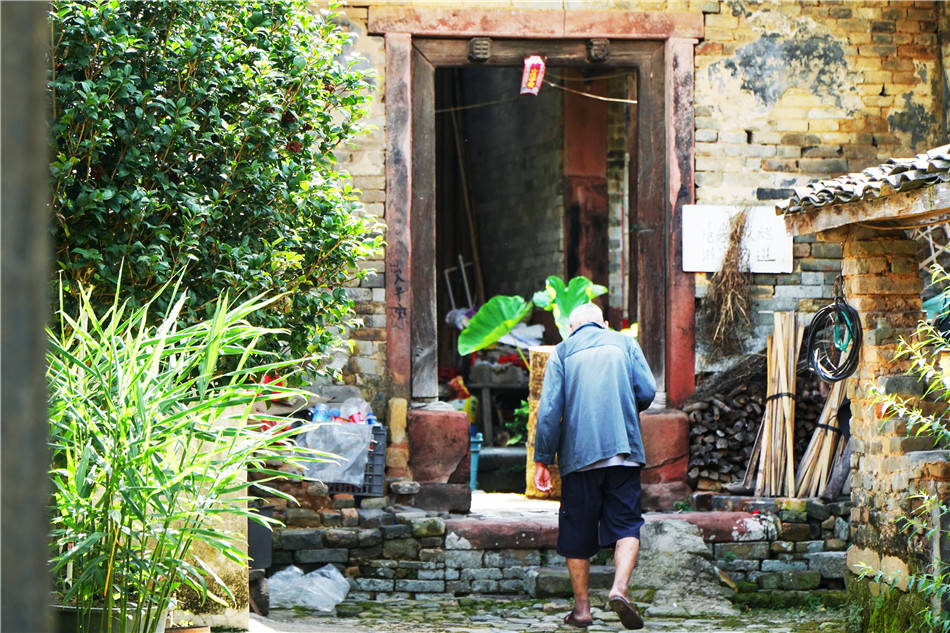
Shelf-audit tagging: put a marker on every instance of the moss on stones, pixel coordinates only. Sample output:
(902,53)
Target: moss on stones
(890,611)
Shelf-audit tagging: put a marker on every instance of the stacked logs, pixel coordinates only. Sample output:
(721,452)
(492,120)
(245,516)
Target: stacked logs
(725,415)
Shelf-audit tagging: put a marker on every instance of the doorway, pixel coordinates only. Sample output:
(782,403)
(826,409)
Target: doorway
(567,136)
(527,187)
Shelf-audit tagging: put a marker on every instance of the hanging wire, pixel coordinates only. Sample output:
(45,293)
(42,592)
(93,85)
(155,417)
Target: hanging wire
(833,342)
(589,95)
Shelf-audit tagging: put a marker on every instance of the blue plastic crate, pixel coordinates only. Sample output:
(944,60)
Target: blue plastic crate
(374,474)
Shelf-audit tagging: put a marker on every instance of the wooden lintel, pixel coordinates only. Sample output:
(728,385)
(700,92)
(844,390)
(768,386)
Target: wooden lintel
(534,23)
(905,208)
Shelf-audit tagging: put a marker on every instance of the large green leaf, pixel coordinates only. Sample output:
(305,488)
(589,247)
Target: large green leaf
(493,320)
(563,299)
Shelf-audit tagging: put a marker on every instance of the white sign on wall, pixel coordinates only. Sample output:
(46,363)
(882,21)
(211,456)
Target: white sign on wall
(767,247)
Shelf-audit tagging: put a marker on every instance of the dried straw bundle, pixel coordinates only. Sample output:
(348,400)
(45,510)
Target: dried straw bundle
(725,312)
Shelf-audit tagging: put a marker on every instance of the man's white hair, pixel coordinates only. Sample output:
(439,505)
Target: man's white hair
(586,313)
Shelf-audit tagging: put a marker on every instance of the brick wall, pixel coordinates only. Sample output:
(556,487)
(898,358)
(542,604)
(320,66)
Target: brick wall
(785,92)
(881,282)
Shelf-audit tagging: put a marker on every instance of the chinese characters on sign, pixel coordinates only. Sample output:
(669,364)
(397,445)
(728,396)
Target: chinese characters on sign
(399,311)
(766,246)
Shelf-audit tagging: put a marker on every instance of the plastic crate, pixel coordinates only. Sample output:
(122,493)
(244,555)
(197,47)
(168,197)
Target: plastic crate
(374,474)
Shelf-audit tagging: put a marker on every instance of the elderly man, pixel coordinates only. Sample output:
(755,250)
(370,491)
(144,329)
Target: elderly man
(595,385)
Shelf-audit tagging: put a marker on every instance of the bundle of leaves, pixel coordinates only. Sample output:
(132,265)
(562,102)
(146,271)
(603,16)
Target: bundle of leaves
(202,136)
(150,443)
(724,316)
(502,313)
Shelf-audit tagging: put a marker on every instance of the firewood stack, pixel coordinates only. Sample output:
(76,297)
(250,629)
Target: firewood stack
(725,415)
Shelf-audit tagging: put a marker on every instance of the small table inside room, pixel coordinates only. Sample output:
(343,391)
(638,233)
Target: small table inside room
(487,393)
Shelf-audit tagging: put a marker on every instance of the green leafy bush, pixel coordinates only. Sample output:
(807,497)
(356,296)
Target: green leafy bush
(201,136)
(149,443)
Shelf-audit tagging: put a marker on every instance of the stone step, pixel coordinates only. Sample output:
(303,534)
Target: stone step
(540,532)
(673,576)
(554,582)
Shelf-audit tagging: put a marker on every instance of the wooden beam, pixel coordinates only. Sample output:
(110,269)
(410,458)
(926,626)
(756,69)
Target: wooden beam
(650,216)
(904,210)
(680,303)
(398,212)
(424,328)
(506,52)
(534,23)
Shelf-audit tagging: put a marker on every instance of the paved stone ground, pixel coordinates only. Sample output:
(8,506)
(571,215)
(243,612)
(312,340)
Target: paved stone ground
(486,615)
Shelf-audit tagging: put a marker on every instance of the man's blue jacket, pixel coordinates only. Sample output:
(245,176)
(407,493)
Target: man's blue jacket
(595,385)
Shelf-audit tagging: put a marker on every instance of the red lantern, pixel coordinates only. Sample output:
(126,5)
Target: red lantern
(533,75)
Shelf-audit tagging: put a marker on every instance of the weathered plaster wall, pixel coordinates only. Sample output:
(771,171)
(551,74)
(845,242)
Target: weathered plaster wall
(785,92)
(515,160)
(792,91)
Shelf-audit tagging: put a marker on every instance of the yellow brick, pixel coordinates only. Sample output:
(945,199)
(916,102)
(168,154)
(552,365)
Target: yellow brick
(822,125)
(860,37)
(791,125)
(789,113)
(866,63)
(884,102)
(721,21)
(719,35)
(806,99)
(869,89)
(879,77)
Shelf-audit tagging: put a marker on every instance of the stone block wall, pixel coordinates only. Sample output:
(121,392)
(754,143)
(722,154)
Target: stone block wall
(805,552)
(773,552)
(785,92)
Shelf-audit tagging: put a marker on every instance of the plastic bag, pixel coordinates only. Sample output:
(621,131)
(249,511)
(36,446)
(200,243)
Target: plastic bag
(349,442)
(320,590)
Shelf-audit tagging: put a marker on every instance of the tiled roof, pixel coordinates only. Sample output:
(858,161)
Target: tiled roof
(897,174)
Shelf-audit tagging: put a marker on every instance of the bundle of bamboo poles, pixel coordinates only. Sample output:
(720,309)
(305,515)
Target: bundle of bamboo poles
(772,464)
(824,449)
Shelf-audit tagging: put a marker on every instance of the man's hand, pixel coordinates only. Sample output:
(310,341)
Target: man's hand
(542,477)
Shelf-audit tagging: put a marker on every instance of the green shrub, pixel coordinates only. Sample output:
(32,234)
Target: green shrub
(202,136)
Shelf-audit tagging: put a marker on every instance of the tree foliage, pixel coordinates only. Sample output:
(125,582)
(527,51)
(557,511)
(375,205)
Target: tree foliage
(201,136)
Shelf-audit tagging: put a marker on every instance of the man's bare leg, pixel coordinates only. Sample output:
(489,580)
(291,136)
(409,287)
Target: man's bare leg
(579,570)
(626,551)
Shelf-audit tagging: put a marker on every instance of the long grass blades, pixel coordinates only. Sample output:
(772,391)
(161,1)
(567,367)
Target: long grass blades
(152,427)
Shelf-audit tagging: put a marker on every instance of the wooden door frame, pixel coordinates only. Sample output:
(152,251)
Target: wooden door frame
(659,45)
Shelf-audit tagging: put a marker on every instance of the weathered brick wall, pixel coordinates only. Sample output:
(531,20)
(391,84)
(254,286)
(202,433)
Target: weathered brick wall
(882,284)
(785,92)
(515,159)
(792,91)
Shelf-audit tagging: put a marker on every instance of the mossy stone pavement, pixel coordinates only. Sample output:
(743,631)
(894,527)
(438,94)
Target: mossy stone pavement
(500,615)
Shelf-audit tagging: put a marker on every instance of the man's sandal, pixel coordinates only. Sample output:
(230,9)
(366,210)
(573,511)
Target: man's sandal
(629,616)
(574,621)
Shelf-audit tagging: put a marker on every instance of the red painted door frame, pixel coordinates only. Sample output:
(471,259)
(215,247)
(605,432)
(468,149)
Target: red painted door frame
(678,34)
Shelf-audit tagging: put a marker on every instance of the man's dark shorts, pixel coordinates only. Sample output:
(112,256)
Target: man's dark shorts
(598,507)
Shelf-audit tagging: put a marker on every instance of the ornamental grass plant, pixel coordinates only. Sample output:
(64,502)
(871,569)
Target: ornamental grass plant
(153,430)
